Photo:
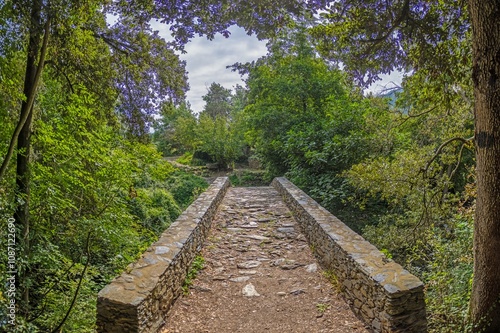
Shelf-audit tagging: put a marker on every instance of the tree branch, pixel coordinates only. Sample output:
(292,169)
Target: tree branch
(116,44)
(409,116)
(440,148)
(63,73)
(77,291)
(458,161)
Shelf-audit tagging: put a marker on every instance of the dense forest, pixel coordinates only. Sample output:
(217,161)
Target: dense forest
(89,111)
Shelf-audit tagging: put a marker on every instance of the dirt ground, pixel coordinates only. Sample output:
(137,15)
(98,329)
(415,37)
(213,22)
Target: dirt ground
(259,275)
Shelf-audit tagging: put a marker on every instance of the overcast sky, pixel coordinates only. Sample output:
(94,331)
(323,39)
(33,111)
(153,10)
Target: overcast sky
(206,62)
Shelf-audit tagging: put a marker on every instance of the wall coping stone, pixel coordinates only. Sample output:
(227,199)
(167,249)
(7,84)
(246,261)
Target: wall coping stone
(386,296)
(138,299)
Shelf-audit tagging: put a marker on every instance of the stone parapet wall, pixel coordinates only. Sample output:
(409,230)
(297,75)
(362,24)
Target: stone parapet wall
(381,292)
(138,300)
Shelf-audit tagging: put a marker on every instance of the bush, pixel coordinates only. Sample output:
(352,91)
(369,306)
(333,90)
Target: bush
(185,159)
(185,187)
(155,209)
(248,178)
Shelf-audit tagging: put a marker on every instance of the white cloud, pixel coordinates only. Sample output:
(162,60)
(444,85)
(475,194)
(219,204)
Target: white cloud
(386,81)
(206,60)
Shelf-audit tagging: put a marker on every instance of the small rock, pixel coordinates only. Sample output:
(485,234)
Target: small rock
(240,279)
(249,226)
(281,293)
(256,237)
(286,264)
(312,268)
(129,279)
(278,262)
(297,292)
(219,278)
(219,270)
(242,249)
(248,264)
(235,229)
(290,266)
(249,291)
(201,288)
(162,249)
(301,238)
(286,230)
(247,272)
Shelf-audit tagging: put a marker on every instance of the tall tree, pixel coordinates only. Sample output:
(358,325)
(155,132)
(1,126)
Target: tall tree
(294,114)
(35,62)
(217,101)
(433,39)
(485,300)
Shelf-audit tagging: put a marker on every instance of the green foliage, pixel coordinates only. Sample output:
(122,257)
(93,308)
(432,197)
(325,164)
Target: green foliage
(185,187)
(377,37)
(334,280)
(155,209)
(248,178)
(305,120)
(88,180)
(419,163)
(322,307)
(421,180)
(217,132)
(185,159)
(217,101)
(449,277)
(174,131)
(219,140)
(400,174)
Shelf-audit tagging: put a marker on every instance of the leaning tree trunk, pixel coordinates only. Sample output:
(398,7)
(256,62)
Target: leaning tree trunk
(34,64)
(485,298)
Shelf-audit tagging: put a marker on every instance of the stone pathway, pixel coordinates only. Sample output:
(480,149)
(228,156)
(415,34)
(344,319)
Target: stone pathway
(259,275)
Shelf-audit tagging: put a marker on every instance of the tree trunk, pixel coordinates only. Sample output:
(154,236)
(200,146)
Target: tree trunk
(24,147)
(485,298)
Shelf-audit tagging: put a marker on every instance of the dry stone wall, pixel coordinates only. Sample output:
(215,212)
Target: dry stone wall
(138,300)
(380,291)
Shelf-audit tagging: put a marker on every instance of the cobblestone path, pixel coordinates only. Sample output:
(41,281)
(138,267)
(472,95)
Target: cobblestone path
(259,275)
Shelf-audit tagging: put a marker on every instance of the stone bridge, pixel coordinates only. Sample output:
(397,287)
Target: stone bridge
(263,224)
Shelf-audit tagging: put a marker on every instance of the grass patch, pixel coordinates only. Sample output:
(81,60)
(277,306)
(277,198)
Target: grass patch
(196,267)
(322,307)
(334,280)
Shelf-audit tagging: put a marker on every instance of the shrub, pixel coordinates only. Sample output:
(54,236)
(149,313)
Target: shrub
(185,187)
